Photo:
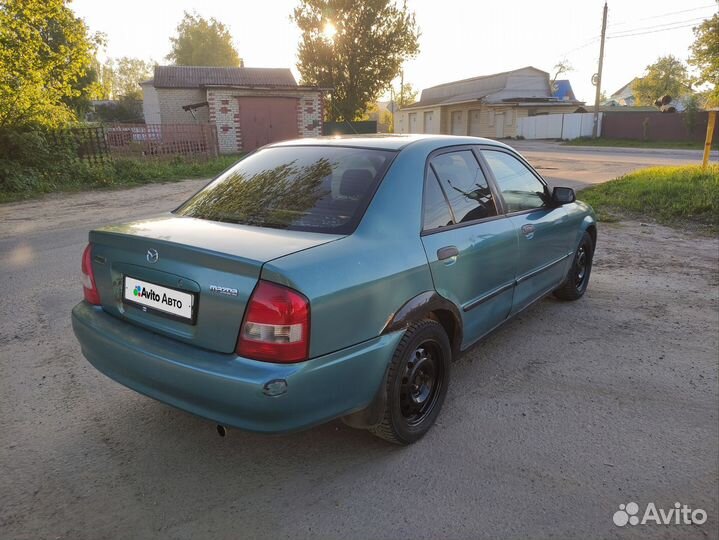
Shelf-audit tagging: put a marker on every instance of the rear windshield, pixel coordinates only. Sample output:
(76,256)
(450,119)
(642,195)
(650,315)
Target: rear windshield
(303,188)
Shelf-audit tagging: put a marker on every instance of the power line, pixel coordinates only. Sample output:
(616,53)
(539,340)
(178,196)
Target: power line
(642,28)
(651,31)
(663,15)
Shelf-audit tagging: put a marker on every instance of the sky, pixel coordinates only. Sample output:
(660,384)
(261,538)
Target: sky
(460,38)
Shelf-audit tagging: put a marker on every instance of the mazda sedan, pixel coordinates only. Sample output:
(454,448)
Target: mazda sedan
(330,278)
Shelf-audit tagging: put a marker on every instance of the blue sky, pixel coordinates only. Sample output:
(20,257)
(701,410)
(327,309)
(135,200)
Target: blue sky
(460,39)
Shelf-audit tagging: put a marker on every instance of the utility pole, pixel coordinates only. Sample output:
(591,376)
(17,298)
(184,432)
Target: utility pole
(597,79)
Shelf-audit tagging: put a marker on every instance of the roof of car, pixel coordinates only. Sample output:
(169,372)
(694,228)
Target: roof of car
(383,141)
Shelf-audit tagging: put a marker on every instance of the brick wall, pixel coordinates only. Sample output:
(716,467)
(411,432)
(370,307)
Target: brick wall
(224,112)
(309,115)
(171,101)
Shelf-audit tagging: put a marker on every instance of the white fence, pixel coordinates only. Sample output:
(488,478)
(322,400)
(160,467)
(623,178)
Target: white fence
(558,126)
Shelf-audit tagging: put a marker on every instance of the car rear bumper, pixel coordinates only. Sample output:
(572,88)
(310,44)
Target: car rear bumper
(226,388)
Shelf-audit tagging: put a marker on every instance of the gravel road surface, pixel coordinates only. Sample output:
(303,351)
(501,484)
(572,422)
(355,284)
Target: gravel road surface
(551,423)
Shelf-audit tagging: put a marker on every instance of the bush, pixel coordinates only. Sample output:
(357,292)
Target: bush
(38,161)
(35,159)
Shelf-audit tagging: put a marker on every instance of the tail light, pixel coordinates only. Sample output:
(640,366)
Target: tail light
(276,326)
(89,288)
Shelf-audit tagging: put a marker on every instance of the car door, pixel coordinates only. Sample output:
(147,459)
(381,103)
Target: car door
(544,231)
(471,247)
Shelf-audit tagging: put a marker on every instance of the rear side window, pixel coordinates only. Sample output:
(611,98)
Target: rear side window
(303,188)
(436,212)
(520,189)
(465,186)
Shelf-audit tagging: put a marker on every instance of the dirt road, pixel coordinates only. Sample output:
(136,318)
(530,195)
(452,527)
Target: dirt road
(551,423)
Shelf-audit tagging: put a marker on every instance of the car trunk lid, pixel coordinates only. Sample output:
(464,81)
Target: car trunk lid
(144,269)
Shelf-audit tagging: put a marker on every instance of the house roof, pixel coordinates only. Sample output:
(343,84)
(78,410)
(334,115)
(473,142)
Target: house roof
(508,86)
(197,76)
(625,87)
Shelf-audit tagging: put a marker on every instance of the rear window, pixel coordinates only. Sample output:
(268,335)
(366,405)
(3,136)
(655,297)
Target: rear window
(303,188)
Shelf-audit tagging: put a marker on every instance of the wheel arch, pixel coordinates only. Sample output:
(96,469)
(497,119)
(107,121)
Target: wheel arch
(429,305)
(426,305)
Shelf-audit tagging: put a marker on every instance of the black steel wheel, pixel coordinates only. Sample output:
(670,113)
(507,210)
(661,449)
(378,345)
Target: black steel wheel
(575,284)
(417,383)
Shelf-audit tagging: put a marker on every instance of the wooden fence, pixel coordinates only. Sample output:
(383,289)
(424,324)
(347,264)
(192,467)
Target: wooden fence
(101,143)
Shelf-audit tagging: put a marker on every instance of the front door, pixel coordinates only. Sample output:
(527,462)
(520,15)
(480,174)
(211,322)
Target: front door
(544,232)
(266,120)
(471,250)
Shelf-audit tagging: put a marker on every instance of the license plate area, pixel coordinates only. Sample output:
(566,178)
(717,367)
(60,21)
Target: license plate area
(160,300)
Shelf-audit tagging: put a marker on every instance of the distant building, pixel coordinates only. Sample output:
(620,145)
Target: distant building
(624,97)
(486,106)
(250,106)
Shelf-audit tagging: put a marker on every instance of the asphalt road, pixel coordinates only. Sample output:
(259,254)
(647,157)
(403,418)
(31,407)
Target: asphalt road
(581,166)
(551,423)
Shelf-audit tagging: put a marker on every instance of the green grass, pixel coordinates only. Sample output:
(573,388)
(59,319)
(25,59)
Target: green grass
(670,195)
(631,143)
(120,173)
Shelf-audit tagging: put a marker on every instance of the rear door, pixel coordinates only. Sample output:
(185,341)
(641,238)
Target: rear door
(470,246)
(544,232)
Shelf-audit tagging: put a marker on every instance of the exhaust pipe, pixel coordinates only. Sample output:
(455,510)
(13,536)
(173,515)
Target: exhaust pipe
(221,430)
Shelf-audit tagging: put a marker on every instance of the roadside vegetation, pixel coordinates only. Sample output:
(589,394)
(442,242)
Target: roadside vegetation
(686,195)
(32,164)
(631,143)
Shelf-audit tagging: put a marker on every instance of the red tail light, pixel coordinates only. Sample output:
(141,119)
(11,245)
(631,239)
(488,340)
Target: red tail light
(89,288)
(276,326)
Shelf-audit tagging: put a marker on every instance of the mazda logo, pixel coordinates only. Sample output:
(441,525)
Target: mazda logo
(152,256)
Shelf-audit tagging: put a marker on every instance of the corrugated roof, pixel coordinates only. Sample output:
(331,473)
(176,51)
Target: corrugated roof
(196,76)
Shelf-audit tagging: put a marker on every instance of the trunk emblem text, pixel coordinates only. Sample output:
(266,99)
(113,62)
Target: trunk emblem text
(224,290)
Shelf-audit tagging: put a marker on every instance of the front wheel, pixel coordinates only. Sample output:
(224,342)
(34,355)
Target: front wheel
(417,383)
(575,284)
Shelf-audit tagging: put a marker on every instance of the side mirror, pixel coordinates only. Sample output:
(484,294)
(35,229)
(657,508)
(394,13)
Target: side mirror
(563,195)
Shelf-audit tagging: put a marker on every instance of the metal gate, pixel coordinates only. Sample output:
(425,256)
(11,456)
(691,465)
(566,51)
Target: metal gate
(267,119)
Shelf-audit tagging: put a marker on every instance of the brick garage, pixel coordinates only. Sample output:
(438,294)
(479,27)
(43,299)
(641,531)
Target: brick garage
(249,106)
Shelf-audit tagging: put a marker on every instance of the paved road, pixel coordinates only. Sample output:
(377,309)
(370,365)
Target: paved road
(578,167)
(563,414)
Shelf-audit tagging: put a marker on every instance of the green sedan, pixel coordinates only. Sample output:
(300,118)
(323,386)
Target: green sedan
(330,278)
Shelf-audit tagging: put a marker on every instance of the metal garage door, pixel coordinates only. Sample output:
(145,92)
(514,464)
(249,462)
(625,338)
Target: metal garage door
(458,127)
(265,120)
(474,129)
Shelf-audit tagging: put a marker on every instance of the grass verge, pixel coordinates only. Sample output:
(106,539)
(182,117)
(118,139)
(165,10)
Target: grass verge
(631,143)
(669,195)
(118,174)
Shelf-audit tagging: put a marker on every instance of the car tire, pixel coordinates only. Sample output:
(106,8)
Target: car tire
(417,382)
(575,284)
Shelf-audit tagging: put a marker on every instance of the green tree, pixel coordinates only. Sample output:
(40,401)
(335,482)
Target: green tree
(357,48)
(667,76)
(406,96)
(128,74)
(704,55)
(45,51)
(203,42)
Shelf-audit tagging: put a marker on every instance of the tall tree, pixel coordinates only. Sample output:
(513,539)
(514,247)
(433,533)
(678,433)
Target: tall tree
(357,48)
(203,42)
(45,51)
(704,55)
(667,76)
(406,95)
(128,74)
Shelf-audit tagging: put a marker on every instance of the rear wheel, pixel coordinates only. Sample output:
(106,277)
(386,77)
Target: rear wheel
(417,383)
(575,284)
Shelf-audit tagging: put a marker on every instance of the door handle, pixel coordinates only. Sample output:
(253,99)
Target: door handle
(447,252)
